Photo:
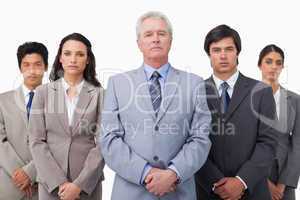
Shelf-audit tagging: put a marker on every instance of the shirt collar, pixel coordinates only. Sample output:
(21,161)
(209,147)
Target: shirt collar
(163,70)
(66,86)
(277,95)
(231,81)
(26,90)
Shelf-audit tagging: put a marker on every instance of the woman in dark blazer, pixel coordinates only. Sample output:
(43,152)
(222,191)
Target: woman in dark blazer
(286,167)
(64,124)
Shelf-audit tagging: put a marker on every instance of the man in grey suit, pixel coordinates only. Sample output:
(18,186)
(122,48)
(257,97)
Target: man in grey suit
(243,113)
(155,122)
(17,170)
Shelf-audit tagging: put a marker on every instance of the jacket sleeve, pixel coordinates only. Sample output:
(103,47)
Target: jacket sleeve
(290,174)
(117,154)
(194,152)
(9,159)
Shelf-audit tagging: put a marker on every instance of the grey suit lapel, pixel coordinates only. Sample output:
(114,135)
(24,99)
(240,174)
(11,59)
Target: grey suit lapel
(240,91)
(286,113)
(212,95)
(57,99)
(142,91)
(170,89)
(85,97)
(20,103)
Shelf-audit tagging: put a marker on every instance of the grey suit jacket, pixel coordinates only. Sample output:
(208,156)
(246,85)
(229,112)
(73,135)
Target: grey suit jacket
(243,140)
(287,163)
(14,147)
(132,136)
(62,152)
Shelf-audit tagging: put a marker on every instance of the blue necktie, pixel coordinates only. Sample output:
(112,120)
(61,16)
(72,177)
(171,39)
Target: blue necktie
(155,91)
(28,106)
(225,99)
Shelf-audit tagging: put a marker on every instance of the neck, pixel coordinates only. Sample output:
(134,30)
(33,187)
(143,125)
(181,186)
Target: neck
(156,62)
(31,87)
(73,80)
(224,76)
(274,84)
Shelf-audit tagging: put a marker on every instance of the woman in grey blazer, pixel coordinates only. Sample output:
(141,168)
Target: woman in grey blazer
(284,174)
(64,122)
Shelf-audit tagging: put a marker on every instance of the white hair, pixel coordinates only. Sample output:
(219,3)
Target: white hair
(155,15)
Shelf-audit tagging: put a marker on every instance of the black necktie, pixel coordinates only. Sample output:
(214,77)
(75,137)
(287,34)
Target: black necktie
(155,91)
(28,106)
(225,99)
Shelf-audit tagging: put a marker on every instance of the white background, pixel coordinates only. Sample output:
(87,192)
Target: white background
(110,26)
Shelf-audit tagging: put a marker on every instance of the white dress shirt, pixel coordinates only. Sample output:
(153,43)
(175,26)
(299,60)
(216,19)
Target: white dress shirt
(277,101)
(71,102)
(26,93)
(231,82)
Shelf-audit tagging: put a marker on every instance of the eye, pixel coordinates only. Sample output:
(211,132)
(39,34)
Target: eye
(279,63)
(80,54)
(148,34)
(216,50)
(162,33)
(269,61)
(66,53)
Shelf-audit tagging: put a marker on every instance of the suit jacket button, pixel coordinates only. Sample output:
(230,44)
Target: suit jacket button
(155,158)
(156,128)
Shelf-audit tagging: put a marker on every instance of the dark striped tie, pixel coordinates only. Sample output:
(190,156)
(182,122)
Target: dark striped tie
(155,91)
(225,99)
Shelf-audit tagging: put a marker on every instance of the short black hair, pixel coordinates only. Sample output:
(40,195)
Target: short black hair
(268,49)
(30,48)
(220,32)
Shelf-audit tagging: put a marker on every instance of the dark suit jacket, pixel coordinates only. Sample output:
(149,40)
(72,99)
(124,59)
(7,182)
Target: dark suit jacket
(243,142)
(286,166)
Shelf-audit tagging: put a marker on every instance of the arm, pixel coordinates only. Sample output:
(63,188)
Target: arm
(257,167)
(194,152)
(30,170)
(94,163)
(208,175)
(290,173)
(49,171)
(117,154)
(9,159)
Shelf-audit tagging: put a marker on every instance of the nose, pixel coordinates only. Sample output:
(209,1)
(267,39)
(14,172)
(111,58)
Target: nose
(73,59)
(223,54)
(155,38)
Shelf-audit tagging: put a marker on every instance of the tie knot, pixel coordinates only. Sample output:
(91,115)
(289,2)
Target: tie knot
(31,93)
(155,75)
(224,86)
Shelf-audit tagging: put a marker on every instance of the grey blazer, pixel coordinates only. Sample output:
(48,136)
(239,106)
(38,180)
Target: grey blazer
(286,166)
(14,147)
(62,152)
(243,140)
(132,136)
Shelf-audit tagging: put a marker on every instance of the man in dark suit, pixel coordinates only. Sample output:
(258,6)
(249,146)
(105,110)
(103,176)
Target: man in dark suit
(243,113)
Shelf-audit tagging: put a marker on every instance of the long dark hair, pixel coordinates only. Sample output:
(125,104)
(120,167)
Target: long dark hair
(89,73)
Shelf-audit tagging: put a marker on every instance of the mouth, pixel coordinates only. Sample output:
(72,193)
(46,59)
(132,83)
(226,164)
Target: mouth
(156,48)
(224,64)
(72,66)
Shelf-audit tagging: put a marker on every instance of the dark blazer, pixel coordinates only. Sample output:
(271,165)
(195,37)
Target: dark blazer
(286,166)
(243,142)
